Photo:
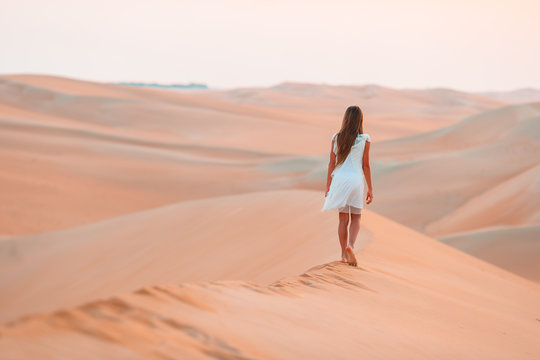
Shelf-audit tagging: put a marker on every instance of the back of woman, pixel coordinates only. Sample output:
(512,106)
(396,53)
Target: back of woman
(347,169)
(353,163)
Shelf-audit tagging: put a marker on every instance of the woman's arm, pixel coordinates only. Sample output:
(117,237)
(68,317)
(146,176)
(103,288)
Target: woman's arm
(331,166)
(367,172)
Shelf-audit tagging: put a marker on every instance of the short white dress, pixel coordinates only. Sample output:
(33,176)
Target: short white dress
(346,191)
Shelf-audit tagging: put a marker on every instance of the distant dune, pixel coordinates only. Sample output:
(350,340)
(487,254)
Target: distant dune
(75,152)
(525,95)
(515,248)
(390,113)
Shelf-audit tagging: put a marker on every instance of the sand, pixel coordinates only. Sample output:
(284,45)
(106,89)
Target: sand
(411,297)
(150,223)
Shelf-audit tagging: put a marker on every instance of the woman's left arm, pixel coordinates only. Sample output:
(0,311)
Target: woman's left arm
(331,166)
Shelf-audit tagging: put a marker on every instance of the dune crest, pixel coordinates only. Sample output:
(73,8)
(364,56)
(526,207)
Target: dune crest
(407,286)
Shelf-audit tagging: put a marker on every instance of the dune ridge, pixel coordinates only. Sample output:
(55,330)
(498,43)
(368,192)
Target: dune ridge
(407,286)
(175,242)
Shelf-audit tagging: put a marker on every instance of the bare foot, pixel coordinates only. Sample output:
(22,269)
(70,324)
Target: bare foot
(350,254)
(344,257)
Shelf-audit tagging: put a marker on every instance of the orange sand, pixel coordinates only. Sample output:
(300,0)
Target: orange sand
(146,223)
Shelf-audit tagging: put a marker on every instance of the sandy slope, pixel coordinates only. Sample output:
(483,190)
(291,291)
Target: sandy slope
(411,298)
(510,203)
(479,173)
(514,248)
(244,237)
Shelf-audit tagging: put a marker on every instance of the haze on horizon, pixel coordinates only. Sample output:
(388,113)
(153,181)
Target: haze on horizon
(472,45)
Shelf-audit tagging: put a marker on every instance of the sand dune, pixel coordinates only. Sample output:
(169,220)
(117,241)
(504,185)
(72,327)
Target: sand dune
(65,166)
(391,112)
(411,297)
(508,123)
(507,203)
(476,174)
(514,248)
(184,118)
(231,237)
(524,95)
(75,152)
(150,223)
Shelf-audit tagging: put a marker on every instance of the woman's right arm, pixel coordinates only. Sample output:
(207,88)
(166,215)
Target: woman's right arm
(367,172)
(331,166)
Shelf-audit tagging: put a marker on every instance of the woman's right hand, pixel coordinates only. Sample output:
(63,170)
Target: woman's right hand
(369,196)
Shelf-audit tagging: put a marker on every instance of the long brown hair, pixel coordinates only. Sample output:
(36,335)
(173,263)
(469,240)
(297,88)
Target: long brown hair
(351,126)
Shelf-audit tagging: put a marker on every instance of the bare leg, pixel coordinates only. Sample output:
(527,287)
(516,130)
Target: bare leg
(354,229)
(342,233)
(353,233)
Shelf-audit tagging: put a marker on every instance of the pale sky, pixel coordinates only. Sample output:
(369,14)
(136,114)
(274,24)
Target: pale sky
(471,45)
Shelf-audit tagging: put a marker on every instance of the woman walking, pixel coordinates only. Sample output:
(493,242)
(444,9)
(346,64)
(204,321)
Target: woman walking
(348,166)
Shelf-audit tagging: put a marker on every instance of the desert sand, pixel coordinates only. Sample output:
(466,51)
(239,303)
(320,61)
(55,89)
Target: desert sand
(75,152)
(150,223)
(410,297)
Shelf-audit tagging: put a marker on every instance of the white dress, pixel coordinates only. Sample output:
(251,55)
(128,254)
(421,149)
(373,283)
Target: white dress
(346,191)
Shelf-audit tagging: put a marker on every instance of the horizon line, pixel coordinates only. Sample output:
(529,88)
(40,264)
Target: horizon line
(273,85)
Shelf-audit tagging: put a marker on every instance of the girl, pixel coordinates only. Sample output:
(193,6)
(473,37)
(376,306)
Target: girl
(345,180)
